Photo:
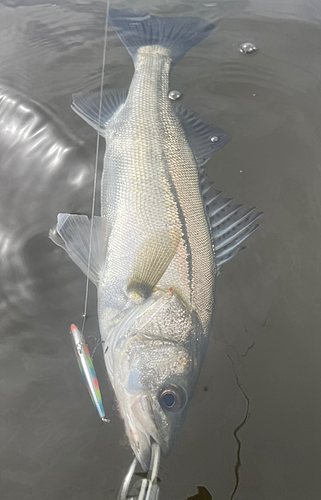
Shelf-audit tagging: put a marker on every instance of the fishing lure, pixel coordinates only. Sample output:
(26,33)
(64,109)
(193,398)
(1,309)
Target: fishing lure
(87,370)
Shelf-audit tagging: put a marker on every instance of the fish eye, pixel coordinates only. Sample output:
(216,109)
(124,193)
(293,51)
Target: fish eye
(172,398)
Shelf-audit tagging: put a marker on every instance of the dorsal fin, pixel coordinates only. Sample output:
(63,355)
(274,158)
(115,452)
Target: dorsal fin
(230,224)
(203,138)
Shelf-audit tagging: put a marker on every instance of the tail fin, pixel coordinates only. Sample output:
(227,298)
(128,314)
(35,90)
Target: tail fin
(178,34)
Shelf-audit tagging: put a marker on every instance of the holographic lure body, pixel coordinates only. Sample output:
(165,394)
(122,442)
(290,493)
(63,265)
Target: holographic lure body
(87,369)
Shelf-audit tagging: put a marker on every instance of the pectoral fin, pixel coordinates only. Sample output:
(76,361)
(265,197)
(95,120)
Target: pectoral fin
(73,234)
(153,259)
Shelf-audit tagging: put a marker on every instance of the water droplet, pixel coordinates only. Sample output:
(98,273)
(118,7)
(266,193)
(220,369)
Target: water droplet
(241,171)
(215,138)
(174,95)
(247,47)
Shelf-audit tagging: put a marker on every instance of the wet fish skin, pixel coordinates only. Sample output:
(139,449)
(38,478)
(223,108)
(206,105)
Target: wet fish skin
(151,198)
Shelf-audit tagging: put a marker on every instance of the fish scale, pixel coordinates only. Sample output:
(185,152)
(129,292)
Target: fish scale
(197,248)
(152,172)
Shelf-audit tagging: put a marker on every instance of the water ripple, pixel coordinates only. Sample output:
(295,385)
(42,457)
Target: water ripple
(38,158)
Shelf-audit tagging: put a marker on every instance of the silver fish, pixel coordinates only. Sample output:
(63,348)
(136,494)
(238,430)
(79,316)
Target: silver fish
(162,236)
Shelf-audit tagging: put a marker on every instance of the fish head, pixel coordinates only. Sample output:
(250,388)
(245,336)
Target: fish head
(157,360)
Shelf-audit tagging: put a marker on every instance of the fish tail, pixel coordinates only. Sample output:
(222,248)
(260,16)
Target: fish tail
(177,34)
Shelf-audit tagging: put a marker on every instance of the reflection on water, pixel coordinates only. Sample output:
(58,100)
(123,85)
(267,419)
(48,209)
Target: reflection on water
(266,333)
(35,149)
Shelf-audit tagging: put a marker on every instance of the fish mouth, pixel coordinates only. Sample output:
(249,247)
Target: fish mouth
(142,431)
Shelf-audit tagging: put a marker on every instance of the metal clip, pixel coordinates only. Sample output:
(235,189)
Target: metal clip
(143,489)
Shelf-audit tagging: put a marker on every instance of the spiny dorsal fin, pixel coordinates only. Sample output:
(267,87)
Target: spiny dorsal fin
(87,106)
(230,224)
(203,138)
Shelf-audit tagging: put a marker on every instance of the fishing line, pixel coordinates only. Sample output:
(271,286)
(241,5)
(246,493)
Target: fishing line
(96,166)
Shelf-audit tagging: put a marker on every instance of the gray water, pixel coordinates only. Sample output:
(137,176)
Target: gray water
(252,431)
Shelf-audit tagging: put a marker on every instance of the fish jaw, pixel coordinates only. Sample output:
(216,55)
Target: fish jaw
(141,429)
(145,422)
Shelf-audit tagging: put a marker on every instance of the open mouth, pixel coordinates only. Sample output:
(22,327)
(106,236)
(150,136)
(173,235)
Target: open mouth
(142,431)
(141,443)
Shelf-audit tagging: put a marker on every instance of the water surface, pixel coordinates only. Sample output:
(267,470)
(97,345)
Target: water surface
(254,419)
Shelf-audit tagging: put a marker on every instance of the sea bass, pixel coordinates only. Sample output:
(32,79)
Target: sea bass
(162,236)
